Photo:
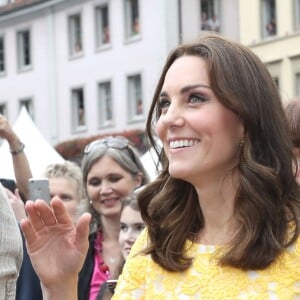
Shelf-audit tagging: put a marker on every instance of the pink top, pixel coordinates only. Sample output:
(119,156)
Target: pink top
(101,271)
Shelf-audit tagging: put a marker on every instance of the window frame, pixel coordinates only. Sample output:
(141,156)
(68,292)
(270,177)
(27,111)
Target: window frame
(75,106)
(2,53)
(105,103)
(73,29)
(3,108)
(101,23)
(134,95)
(21,49)
(267,14)
(213,8)
(29,105)
(297,83)
(131,14)
(297,15)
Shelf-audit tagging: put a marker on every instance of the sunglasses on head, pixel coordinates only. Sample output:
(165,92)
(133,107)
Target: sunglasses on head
(117,142)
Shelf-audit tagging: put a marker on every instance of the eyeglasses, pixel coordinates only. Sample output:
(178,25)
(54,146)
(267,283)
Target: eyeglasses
(117,142)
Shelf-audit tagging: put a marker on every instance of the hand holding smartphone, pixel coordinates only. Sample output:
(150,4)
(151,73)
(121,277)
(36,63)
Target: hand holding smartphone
(111,284)
(39,189)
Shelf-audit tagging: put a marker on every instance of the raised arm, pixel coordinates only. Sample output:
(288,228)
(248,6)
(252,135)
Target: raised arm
(57,247)
(21,166)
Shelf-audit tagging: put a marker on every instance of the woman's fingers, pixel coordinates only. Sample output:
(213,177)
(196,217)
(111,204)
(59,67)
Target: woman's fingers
(60,212)
(82,233)
(40,214)
(28,231)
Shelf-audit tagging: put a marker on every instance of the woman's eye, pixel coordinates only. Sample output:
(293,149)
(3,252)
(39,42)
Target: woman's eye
(140,227)
(196,98)
(123,227)
(115,178)
(163,104)
(94,182)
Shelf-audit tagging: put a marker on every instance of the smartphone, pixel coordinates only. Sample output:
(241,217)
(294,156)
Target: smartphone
(39,189)
(111,284)
(9,184)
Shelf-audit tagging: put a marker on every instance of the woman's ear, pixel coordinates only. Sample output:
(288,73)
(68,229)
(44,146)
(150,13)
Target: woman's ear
(138,179)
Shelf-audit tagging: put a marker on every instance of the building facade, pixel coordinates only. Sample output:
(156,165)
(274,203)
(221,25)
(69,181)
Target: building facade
(271,28)
(88,67)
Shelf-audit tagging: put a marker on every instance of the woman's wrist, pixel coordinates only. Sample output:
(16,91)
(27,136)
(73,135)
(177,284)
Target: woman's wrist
(66,290)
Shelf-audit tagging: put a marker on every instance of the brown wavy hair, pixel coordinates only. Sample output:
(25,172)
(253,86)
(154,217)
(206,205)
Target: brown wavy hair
(267,199)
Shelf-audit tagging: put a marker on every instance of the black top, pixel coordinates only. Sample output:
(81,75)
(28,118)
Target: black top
(86,273)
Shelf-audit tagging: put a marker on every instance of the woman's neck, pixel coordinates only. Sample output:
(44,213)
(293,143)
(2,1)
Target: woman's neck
(217,201)
(110,228)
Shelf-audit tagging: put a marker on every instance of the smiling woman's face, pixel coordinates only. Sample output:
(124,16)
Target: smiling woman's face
(199,134)
(107,184)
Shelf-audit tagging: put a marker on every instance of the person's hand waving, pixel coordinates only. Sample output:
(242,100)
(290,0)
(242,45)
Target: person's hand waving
(56,246)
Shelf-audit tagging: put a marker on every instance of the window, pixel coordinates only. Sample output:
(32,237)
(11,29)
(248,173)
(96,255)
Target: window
(135,100)
(297,84)
(105,104)
(78,108)
(269,26)
(24,49)
(132,18)
(102,25)
(297,14)
(28,104)
(3,109)
(2,55)
(275,71)
(210,15)
(75,35)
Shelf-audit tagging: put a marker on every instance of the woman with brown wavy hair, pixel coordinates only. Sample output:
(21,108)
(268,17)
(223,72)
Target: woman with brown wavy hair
(222,218)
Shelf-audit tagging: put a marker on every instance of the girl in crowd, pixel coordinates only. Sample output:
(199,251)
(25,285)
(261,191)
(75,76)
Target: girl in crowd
(111,171)
(131,225)
(222,217)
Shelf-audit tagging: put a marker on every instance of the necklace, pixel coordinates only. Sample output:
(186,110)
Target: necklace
(112,260)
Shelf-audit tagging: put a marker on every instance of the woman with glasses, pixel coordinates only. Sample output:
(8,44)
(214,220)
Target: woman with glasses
(111,171)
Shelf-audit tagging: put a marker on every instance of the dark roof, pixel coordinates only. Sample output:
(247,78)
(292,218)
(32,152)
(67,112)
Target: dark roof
(18,5)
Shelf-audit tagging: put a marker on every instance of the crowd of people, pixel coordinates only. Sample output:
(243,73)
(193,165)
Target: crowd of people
(220,221)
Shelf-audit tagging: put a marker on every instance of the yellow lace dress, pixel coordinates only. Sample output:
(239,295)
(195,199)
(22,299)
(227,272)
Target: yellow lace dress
(205,279)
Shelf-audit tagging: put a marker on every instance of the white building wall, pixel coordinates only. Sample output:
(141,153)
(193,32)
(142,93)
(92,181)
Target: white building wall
(55,74)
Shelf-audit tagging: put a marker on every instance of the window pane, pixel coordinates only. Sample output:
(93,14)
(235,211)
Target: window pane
(3,110)
(135,97)
(102,25)
(105,104)
(2,55)
(210,14)
(132,18)
(24,51)
(298,84)
(297,14)
(28,104)
(269,18)
(75,34)
(78,108)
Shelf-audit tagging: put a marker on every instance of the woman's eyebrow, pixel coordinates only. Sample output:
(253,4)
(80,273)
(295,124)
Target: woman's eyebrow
(190,87)
(186,89)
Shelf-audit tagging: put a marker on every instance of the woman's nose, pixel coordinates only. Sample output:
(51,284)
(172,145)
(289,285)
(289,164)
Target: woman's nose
(173,116)
(106,188)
